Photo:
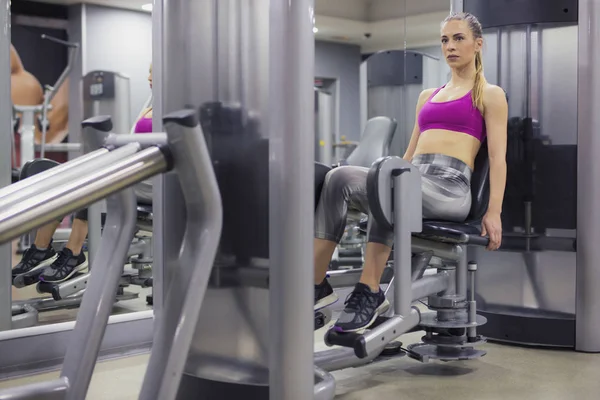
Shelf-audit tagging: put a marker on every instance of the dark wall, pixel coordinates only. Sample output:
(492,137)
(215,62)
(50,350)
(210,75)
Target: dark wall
(44,59)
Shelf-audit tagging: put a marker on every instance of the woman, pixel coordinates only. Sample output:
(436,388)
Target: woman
(58,267)
(144,122)
(452,122)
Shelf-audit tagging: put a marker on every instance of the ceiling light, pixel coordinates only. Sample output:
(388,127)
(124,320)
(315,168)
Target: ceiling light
(147,7)
(315,29)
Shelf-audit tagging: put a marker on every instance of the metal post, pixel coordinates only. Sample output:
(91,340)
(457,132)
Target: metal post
(472,332)
(27,133)
(402,244)
(291,173)
(5,159)
(456,6)
(159,280)
(461,273)
(587,328)
(100,294)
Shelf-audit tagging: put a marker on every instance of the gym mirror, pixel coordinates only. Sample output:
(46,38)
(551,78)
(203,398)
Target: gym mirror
(78,76)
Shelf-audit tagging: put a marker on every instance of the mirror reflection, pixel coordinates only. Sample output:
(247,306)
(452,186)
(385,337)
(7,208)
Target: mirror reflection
(372,60)
(59,78)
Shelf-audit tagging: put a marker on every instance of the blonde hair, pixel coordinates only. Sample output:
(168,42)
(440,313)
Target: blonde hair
(477,31)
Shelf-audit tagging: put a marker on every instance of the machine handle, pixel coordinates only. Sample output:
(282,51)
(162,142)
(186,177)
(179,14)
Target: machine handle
(59,41)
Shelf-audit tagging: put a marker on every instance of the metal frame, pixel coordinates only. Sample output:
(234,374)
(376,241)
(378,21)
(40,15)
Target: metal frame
(5,160)
(588,180)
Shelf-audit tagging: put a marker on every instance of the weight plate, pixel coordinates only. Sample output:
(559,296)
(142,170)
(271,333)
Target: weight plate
(446,353)
(430,320)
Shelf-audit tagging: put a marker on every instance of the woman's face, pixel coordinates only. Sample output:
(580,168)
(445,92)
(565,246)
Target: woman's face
(458,45)
(150,77)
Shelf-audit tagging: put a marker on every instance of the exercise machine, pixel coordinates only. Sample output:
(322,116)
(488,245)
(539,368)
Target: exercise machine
(68,294)
(112,173)
(108,93)
(26,118)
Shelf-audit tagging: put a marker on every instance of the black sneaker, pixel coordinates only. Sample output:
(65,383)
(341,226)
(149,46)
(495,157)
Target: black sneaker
(65,266)
(362,309)
(33,260)
(324,295)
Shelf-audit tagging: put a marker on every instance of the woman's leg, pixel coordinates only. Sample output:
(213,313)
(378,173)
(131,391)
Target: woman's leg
(344,186)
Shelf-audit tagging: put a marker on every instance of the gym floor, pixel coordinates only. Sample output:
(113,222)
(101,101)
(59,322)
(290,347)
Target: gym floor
(505,373)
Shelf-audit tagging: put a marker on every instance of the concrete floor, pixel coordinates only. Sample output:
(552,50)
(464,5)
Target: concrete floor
(505,373)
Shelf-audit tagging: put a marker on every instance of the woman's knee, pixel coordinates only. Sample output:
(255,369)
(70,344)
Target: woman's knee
(339,180)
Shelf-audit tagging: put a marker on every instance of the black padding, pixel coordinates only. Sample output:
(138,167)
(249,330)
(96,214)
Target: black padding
(187,118)
(480,185)
(36,166)
(321,171)
(452,232)
(373,194)
(14,175)
(102,123)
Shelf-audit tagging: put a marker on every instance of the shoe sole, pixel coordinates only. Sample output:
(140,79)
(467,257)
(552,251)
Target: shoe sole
(77,269)
(380,310)
(326,302)
(19,280)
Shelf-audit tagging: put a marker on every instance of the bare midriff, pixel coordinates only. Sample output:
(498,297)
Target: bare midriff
(450,143)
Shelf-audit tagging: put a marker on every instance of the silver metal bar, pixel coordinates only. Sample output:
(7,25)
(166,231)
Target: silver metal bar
(325,388)
(100,293)
(402,245)
(73,286)
(65,176)
(50,390)
(145,140)
(62,200)
(59,169)
(461,273)
(587,324)
(176,326)
(472,332)
(446,251)
(60,147)
(376,339)
(420,262)
(27,133)
(343,278)
(341,358)
(24,316)
(430,285)
(5,159)
(291,176)
(456,6)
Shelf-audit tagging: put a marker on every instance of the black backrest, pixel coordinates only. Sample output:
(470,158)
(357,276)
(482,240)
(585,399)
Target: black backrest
(480,184)
(321,171)
(375,142)
(36,166)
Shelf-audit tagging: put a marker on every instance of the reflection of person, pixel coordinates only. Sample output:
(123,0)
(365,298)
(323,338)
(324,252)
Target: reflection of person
(452,122)
(144,122)
(58,267)
(27,91)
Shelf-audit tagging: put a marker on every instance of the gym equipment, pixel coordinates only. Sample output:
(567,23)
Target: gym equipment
(68,294)
(108,93)
(27,114)
(24,117)
(528,290)
(185,152)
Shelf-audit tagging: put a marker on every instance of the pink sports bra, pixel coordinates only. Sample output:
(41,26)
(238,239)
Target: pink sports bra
(457,115)
(144,125)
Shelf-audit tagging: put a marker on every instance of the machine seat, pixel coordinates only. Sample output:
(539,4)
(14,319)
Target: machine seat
(452,232)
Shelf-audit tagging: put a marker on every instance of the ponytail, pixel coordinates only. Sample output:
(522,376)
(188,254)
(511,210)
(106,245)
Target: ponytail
(479,82)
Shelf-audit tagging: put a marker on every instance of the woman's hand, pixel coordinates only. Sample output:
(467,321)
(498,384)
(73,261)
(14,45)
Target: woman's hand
(491,226)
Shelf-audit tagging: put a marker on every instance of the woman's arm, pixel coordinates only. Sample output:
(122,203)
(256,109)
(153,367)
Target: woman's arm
(496,121)
(414,138)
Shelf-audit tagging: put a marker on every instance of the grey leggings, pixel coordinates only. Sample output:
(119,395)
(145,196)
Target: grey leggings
(446,195)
